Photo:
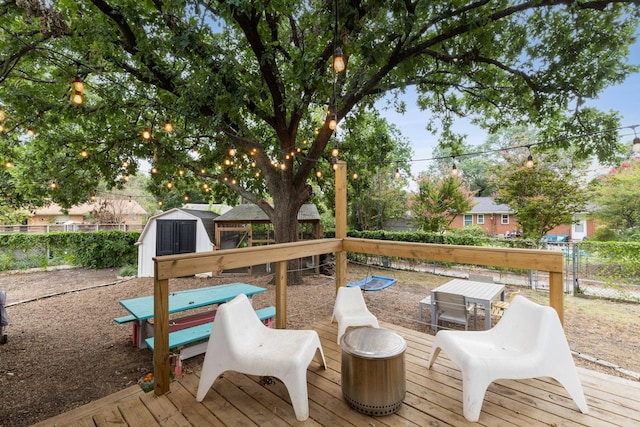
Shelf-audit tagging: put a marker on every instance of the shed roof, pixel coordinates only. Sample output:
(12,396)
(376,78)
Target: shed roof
(252,213)
(206,217)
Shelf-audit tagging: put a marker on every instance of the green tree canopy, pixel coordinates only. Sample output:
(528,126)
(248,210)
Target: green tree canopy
(438,201)
(543,196)
(617,200)
(246,85)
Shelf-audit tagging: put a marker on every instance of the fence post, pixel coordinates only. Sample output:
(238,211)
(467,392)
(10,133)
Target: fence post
(161,364)
(341,221)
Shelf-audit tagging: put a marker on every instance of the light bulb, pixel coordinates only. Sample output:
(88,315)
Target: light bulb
(78,85)
(338,61)
(77,98)
(333,121)
(168,127)
(529,162)
(334,151)
(146,134)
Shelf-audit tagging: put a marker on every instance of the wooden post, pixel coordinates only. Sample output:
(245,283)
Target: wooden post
(161,365)
(281,295)
(341,222)
(556,293)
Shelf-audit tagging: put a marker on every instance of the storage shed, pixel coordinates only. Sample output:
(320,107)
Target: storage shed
(176,231)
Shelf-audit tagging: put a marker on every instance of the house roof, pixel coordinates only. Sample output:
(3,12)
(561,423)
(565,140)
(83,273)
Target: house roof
(127,207)
(252,213)
(486,205)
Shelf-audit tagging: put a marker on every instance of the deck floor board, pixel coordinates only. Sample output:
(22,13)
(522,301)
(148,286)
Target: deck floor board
(433,398)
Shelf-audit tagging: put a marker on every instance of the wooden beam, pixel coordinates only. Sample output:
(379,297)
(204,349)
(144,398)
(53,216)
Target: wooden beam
(281,295)
(161,365)
(556,293)
(341,222)
(170,266)
(527,259)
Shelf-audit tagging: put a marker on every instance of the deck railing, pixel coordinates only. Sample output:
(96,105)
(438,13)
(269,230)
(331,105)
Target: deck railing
(173,266)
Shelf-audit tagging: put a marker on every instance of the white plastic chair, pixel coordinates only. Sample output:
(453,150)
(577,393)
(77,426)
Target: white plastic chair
(528,342)
(350,310)
(240,342)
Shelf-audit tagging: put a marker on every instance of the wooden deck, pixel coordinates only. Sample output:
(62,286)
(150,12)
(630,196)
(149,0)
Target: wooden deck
(433,399)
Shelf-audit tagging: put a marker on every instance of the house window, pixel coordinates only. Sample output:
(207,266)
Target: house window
(468,220)
(480,219)
(504,219)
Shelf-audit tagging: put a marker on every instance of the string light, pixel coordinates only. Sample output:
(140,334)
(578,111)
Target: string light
(232,151)
(636,140)
(355,175)
(334,150)
(333,121)
(168,126)
(84,153)
(78,89)
(146,134)
(338,61)
(454,169)
(30,132)
(78,84)
(76,98)
(529,162)
(8,164)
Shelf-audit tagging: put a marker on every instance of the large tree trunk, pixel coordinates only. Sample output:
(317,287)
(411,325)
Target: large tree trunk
(285,226)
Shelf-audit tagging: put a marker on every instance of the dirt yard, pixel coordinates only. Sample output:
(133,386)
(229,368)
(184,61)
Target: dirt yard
(64,349)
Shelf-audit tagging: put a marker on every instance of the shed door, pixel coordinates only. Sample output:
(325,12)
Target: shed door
(175,236)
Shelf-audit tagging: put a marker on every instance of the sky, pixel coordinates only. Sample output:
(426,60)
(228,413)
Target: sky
(624,98)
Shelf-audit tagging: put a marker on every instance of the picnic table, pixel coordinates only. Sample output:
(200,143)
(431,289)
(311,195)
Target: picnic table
(141,309)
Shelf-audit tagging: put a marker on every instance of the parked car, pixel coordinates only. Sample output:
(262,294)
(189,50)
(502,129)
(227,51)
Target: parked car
(555,238)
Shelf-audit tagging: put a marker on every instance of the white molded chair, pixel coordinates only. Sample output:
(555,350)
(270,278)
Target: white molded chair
(240,342)
(351,310)
(528,342)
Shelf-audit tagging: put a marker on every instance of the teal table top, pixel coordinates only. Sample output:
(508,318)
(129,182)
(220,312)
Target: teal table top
(142,307)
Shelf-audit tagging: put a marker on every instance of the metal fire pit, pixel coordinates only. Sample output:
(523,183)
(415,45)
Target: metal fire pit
(373,372)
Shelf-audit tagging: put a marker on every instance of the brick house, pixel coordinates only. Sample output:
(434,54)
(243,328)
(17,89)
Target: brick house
(497,220)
